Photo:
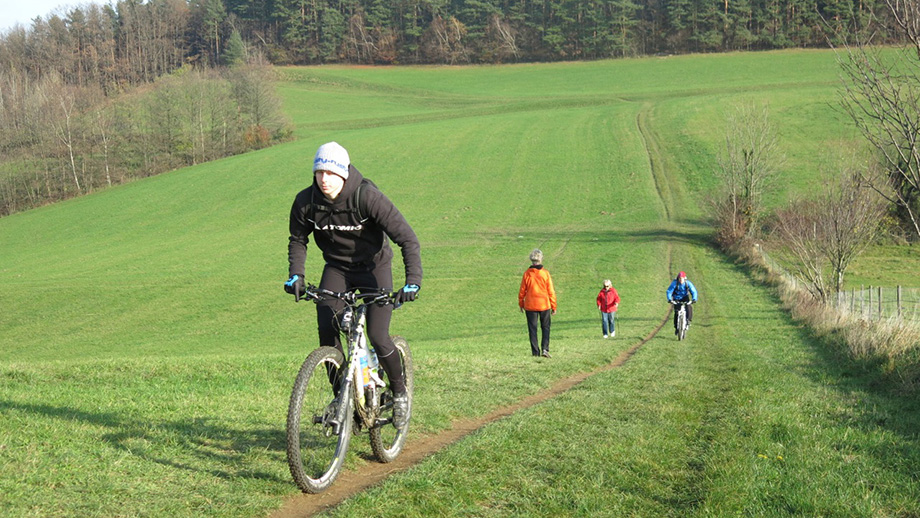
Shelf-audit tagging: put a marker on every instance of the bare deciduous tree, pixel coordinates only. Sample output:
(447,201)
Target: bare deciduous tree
(746,166)
(820,238)
(63,127)
(444,41)
(795,238)
(851,217)
(500,40)
(882,96)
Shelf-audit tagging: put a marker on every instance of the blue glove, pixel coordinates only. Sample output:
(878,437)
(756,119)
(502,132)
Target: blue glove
(407,293)
(294,286)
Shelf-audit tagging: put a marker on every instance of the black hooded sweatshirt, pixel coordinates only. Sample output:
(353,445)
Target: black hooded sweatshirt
(348,242)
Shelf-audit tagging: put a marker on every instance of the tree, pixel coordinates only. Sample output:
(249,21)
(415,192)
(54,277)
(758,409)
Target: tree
(235,53)
(443,42)
(851,219)
(500,42)
(794,237)
(622,24)
(882,96)
(819,238)
(746,167)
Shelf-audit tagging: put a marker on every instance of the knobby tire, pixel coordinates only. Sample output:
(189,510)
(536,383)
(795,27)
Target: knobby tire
(386,440)
(314,454)
(681,326)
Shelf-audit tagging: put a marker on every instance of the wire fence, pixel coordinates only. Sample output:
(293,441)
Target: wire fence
(878,302)
(866,302)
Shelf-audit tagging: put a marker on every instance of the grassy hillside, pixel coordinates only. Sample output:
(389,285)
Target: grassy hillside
(146,347)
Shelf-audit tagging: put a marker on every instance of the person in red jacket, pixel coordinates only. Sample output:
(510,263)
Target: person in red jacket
(607,301)
(537,298)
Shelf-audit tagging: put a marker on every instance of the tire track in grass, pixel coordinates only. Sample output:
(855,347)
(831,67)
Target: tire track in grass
(352,482)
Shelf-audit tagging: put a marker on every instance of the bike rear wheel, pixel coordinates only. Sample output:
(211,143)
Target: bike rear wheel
(387,441)
(315,453)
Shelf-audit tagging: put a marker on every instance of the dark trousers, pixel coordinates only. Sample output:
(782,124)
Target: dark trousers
(543,319)
(378,317)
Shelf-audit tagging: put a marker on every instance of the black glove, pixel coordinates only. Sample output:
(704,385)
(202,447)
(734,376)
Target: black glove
(407,293)
(295,286)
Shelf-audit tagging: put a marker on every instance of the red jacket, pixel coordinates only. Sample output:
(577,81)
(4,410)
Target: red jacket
(608,300)
(537,292)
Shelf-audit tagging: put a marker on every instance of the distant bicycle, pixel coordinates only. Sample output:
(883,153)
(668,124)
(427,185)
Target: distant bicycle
(682,324)
(335,397)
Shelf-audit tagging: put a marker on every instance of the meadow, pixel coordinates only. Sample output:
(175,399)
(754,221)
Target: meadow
(147,349)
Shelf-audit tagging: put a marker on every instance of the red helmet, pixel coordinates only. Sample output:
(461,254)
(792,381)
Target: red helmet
(681,275)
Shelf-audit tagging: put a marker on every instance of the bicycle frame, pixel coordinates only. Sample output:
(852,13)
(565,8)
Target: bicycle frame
(320,426)
(364,395)
(682,324)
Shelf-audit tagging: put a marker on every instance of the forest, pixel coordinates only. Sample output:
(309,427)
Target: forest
(133,40)
(94,94)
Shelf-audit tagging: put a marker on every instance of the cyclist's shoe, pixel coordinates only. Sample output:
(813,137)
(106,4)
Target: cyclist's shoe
(546,354)
(400,410)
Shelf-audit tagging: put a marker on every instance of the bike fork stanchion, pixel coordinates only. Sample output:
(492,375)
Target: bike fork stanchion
(341,413)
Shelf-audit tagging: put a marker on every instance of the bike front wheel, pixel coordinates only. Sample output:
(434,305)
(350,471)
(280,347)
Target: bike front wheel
(387,441)
(681,327)
(316,445)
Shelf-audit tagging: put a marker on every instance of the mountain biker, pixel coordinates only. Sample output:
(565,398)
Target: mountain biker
(608,300)
(537,297)
(682,290)
(353,240)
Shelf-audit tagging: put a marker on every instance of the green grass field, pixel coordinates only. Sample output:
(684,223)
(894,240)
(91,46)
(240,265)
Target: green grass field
(147,349)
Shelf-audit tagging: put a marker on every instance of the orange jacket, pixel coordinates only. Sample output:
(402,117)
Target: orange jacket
(537,292)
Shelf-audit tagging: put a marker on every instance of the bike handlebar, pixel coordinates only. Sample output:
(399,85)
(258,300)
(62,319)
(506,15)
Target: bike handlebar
(351,297)
(676,302)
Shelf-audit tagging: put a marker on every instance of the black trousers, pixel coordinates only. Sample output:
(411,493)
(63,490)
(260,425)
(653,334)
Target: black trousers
(543,318)
(378,317)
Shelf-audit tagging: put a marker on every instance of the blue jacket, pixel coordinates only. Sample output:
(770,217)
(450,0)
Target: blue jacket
(676,291)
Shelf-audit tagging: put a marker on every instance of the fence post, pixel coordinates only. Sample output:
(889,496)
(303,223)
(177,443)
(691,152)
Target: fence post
(853,302)
(880,316)
(869,315)
(899,302)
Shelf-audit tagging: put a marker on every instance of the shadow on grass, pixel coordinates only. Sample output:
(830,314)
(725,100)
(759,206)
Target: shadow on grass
(206,439)
(880,402)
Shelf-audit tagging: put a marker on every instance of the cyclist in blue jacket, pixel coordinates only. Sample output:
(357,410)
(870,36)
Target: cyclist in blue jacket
(682,290)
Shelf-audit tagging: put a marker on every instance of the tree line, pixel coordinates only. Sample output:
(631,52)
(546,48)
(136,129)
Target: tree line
(103,95)
(130,41)
(501,31)
(59,140)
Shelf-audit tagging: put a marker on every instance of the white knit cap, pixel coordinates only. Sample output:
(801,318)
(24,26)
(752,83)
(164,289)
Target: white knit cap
(333,158)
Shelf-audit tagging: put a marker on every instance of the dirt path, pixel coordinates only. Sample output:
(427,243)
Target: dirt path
(417,449)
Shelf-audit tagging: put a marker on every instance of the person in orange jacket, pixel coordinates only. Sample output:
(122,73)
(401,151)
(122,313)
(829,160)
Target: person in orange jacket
(608,300)
(537,298)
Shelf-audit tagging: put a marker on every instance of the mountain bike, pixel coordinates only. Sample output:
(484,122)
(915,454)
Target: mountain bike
(335,396)
(682,324)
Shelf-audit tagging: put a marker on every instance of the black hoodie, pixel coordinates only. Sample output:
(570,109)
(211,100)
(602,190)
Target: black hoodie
(347,242)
